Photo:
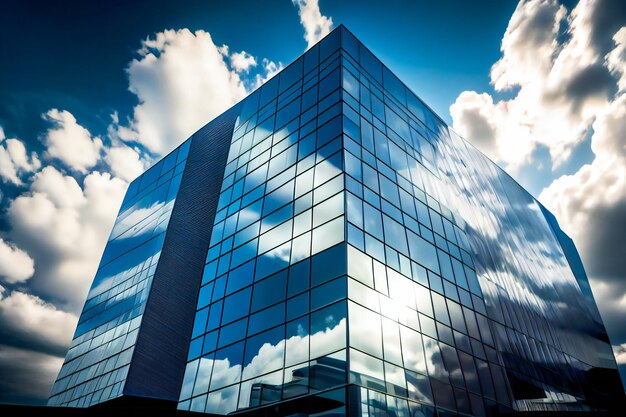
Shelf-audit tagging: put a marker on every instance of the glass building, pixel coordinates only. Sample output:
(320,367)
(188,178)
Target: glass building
(328,246)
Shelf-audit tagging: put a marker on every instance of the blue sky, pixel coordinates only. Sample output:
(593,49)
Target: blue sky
(75,58)
(537,85)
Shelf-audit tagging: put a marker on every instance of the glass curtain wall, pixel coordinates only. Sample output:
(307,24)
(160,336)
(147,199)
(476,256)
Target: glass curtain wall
(98,359)
(360,242)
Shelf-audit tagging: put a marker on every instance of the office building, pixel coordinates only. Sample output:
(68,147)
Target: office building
(330,246)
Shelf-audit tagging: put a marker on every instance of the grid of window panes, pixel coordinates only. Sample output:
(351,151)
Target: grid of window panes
(271,319)
(423,266)
(98,359)
(417,327)
(453,269)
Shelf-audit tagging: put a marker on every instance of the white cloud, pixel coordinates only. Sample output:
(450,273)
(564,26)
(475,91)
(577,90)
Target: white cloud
(27,318)
(182,81)
(620,353)
(270,68)
(61,224)
(476,116)
(15,264)
(564,79)
(316,25)
(14,160)
(591,205)
(124,161)
(64,228)
(616,59)
(242,61)
(561,85)
(70,142)
(28,375)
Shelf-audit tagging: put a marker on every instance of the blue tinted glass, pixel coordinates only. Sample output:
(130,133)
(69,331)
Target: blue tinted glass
(299,277)
(255,343)
(328,293)
(328,265)
(329,44)
(215,316)
(297,306)
(291,74)
(210,342)
(269,291)
(236,305)
(311,59)
(372,65)
(233,332)
(240,277)
(200,322)
(267,318)
(269,90)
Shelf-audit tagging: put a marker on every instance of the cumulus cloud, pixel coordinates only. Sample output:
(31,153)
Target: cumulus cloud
(564,74)
(270,68)
(61,225)
(14,160)
(125,162)
(70,142)
(181,80)
(620,354)
(64,226)
(617,57)
(591,206)
(29,321)
(316,25)
(62,219)
(30,375)
(15,264)
(553,63)
(34,337)
(242,61)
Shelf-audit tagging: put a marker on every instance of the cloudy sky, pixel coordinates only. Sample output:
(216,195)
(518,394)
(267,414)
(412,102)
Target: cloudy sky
(91,95)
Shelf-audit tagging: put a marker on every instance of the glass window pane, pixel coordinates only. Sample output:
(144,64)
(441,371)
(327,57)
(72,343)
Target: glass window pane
(419,387)
(391,341)
(302,223)
(301,247)
(423,252)
(366,370)
(227,366)
(269,291)
(412,350)
(365,330)
(233,332)
(328,329)
(264,353)
(363,295)
(236,305)
(297,341)
(434,360)
(395,379)
(328,210)
(328,264)
(360,266)
(275,237)
(267,318)
(328,293)
(299,277)
(328,235)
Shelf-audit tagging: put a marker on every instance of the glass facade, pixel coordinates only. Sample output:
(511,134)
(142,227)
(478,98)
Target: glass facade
(272,311)
(99,357)
(363,252)
(362,259)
